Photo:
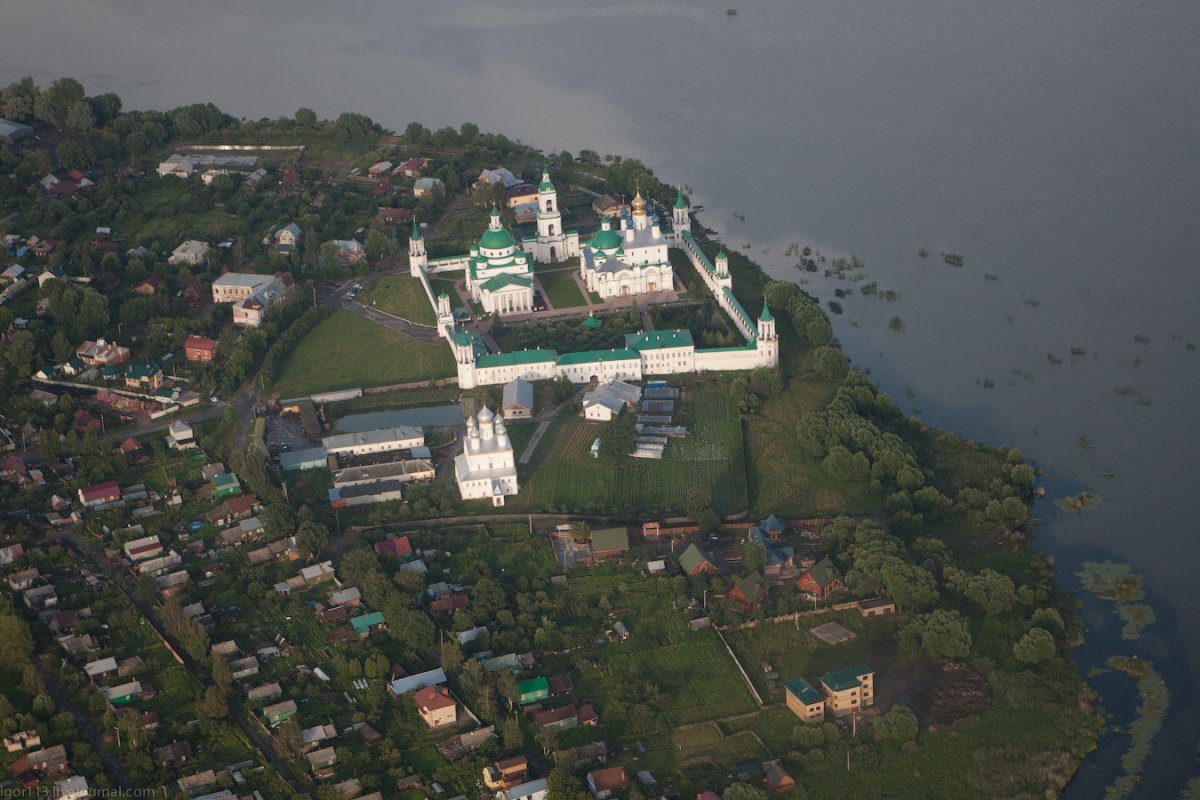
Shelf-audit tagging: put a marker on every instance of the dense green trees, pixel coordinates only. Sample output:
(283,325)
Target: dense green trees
(1034,647)
(942,633)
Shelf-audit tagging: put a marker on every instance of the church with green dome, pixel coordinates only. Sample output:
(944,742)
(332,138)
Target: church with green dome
(499,274)
(630,262)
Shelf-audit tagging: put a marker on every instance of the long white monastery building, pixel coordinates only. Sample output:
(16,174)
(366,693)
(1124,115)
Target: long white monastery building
(632,261)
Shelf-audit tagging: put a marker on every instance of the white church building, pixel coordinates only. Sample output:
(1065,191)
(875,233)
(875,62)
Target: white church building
(486,469)
(633,261)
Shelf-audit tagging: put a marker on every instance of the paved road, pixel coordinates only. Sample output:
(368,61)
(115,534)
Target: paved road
(416,330)
(252,731)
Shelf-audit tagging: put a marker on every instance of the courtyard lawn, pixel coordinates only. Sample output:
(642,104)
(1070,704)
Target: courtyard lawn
(710,458)
(347,351)
(401,296)
(445,283)
(561,289)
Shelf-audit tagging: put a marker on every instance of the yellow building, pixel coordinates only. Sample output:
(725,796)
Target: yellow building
(849,690)
(804,701)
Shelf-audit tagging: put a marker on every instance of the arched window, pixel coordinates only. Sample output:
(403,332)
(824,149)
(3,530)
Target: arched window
(551,230)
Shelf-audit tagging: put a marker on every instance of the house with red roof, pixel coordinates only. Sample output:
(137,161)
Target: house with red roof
(200,349)
(436,706)
(101,493)
(398,547)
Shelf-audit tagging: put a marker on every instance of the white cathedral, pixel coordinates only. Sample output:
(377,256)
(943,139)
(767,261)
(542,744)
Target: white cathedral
(499,268)
(486,468)
(633,261)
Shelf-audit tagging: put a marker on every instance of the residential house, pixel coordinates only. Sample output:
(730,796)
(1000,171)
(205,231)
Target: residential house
(143,377)
(693,561)
(22,580)
(349,251)
(321,761)
(750,592)
(423,186)
(233,509)
(250,293)
(518,399)
(200,349)
(53,272)
(22,740)
(532,790)
(192,252)
(134,450)
(410,683)
(101,353)
(180,435)
(316,735)
(380,168)
(279,712)
(448,603)
(610,542)
(607,206)
(849,690)
(603,782)
(804,700)
(776,778)
(532,690)
(367,624)
(436,706)
(177,752)
(268,691)
(140,549)
(122,694)
(506,773)
(876,607)
(100,494)
(148,286)
(288,237)
(398,547)
(777,561)
(821,579)
(72,788)
(100,669)
(490,177)
(10,554)
(412,167)
(345,597)
(40,764)
(226,485)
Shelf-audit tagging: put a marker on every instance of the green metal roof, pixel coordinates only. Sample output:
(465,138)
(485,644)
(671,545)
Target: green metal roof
(765,316)
(692,559)
(805,691)
(824,572)
(224,480)
(679,202)
(607,540)
(592,323)
(721,254)
(505,279)
(364,622)
(545,185)
(140,371)
(659,340)
(497,240)
(533,686)
(599,356)
(753,587)
(606,240)
(516,357)
(416,234)
(840,680)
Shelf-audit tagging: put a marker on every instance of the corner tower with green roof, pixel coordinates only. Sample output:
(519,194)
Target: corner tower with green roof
(417,260)
(679,214)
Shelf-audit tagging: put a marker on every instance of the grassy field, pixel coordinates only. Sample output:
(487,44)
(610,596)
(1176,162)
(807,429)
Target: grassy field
(796,653)
(346,351)
(402,296)
(561,289)
(709,458)
(455,232)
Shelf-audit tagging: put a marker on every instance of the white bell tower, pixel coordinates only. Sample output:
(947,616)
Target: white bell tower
(767,342)
(679,215)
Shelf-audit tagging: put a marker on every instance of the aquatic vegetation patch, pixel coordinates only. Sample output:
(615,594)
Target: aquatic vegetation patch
(1112,580)
(1078,503)
(1152,691)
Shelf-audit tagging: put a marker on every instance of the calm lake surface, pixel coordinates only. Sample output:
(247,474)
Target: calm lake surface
(1054,145)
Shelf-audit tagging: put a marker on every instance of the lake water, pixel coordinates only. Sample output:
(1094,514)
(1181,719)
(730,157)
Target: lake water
(419,417)
(1054,145)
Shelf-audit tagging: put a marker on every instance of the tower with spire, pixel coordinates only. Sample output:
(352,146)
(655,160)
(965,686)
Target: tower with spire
(679,215)
(417,260)
(767,343)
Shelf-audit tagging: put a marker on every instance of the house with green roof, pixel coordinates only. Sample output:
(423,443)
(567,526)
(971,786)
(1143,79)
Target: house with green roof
(610,542)
(693,561)
(804,700)
(821,579)
(750,592)
(849,690)
(145,377)
(226,485)
(366,624)
(532,690)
